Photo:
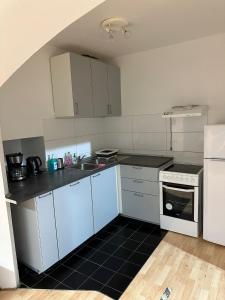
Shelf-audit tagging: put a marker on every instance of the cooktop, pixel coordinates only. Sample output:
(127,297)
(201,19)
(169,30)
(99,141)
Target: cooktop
(182,168)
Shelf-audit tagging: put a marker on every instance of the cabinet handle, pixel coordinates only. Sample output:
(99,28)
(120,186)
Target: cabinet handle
(137,168)
(96,175)
(108,109)
(45,195)
(76,108)
(138,195)
(75,183)
(138,181)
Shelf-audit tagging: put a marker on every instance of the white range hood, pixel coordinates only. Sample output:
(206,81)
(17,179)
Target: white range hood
(185,111)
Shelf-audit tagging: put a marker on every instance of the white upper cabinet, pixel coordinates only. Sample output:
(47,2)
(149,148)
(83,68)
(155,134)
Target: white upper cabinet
(71,85)
(114,90)
(99,85)
(85,87)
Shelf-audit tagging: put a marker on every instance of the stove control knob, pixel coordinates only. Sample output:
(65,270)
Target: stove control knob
(169,206)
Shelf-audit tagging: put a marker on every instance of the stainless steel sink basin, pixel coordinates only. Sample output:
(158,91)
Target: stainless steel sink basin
(87,166)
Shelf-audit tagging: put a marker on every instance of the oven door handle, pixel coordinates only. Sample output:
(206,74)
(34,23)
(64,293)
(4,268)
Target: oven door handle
(178,189)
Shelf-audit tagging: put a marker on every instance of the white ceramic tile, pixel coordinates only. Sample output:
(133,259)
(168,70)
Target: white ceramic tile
(60,147)
(188,158)
(149,141)
(117,124)
(149,123)
(97,142)
(58,129)
(192,142)
(195,124)
(88,126)
(118,140)
(84,145)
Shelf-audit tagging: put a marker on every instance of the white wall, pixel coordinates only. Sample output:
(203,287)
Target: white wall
(186,73)
(27,25)
(26,98)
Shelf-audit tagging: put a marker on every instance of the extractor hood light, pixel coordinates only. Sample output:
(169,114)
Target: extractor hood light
(185,111)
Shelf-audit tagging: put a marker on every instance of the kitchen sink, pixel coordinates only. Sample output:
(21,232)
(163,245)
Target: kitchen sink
(87,166)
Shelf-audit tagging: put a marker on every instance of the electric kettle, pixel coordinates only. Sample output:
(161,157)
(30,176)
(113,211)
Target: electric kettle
(33,165)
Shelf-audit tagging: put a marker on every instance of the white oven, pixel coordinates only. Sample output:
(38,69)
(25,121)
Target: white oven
(180,202)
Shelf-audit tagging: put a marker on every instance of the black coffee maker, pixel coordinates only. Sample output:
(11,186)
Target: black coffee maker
(16,171)
(33,165)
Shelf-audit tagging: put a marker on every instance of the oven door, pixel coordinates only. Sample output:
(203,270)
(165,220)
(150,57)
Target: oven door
(178,201)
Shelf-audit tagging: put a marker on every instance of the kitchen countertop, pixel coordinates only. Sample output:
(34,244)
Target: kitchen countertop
(45,182)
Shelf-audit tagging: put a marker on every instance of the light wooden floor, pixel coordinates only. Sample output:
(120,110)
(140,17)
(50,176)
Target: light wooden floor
(32,294)
(192,268)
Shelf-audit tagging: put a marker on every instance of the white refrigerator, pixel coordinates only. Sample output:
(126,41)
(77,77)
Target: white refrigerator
(214,184)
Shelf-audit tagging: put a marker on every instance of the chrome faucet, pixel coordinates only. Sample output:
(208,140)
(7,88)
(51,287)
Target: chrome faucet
(80,158)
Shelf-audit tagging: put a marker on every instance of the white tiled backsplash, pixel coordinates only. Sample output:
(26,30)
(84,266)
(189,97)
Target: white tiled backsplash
(143,134)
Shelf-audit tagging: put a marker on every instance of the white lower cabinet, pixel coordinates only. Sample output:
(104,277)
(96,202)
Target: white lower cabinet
(73,214)
(104,197)
(35,232)
(141,206)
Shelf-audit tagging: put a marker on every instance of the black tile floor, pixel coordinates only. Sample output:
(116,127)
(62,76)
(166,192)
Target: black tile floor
(107,262)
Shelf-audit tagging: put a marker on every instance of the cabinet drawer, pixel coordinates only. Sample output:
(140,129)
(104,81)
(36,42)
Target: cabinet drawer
(141,206)
(137,172)
(140,185)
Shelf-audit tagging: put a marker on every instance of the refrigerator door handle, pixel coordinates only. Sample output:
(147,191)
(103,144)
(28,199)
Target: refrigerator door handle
(217,159)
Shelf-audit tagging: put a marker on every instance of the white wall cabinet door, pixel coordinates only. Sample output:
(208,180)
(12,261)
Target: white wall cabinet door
(47,230)
(81,85)
(71,85)
(99,86)
(35,232)
(73,212)
(104,196)
(114,90)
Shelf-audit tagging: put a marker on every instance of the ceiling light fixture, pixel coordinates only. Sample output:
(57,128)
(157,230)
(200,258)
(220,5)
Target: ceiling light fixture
(114,25)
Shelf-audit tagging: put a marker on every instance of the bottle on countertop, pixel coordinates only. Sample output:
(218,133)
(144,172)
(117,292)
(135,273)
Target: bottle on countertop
(74,159)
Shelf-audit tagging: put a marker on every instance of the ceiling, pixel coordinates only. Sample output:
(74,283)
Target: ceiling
(153,23)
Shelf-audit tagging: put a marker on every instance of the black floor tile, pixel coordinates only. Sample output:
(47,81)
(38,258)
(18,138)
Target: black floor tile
(88,268)
(147,228)
(121,221)
(96,243)
(74,262)
(159,232)
(153,240)
(111,293)
(103,235)
(139,236)
(99,257)
(129,269)
(62,286)
(61,273)
(119,282)
(111,229)
(122,253)
(146,248)
(74,280)
(85,252)
(138,258)
(126,232)
(134,226)
(109,248)
(113,263)
(23,286)
(131,245)
(102,275)
(46,283)
(117,240)
(91,284)
(29,277)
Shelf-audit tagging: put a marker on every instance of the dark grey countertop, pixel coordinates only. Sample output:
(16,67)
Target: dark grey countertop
(45,182)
